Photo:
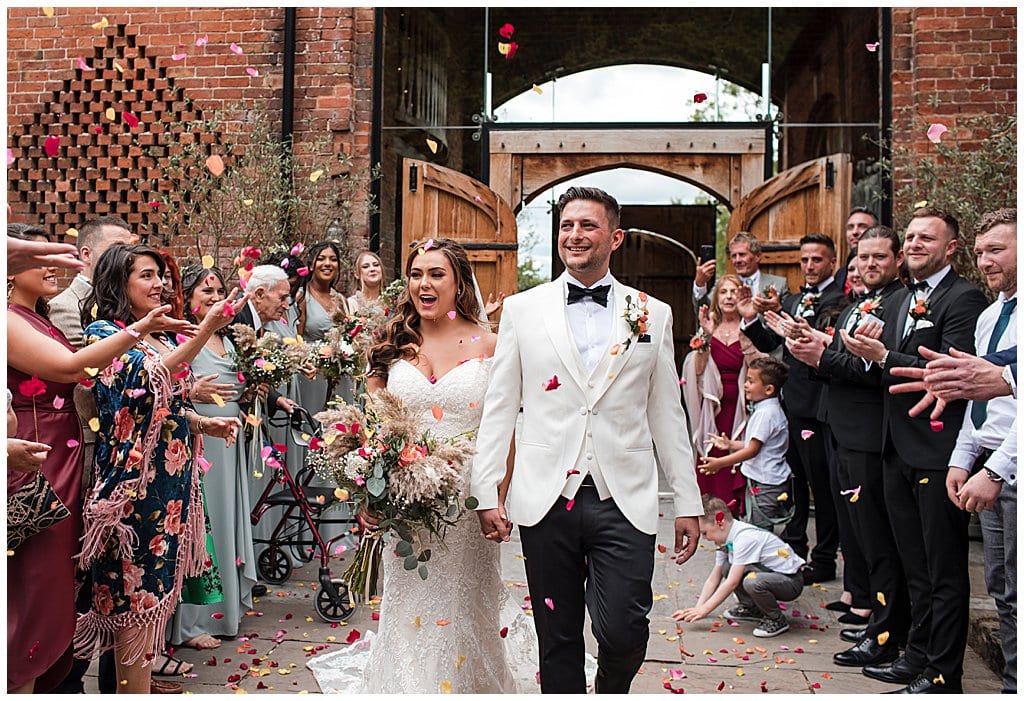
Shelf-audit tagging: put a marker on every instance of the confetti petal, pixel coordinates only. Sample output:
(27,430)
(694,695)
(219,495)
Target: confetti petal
(303,271)
(72,443)
(48,11)
(215,164)
(503,632)
(871,47)
(922,203)
(315,175)
(569,504)
(217,615)
(783,497)
(662,548)
(881,598)
(353,636)
(783,553)
(203,40)
(445,686)
(552,384)
(923,480)
(179,56)
(437,411)
(235,48)
(537,89)
(883,637)
(82,65)
(699,98)
(805,434)
(52,146)
(101,25)
(506,31)
(937,425)
(549,603)
(253,73)
(110,114)
(935,132)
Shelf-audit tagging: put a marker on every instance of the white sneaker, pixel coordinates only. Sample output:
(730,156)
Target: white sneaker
(770,627)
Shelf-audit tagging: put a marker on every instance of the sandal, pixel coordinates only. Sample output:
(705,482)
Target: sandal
(172,667)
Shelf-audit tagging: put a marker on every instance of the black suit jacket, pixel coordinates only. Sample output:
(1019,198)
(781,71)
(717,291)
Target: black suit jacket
(954,306)
(244,316)
(1004,358)
(853,402)
(800,395)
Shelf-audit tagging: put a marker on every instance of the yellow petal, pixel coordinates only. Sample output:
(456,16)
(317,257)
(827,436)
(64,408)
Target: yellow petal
(783,553)
(783,497)
(94,311)
(269,367)
(922,203)
(315,175)
(751,575)
(91,372)
(416,621)
(458,663)
(432,145)
(854,498)
(883,637)
(101,25)
(341,494)
(94,424)
(739,672)
(923,480)
(109,114)
(72,232)
(881,598)
(446,686)
(48,11)
(247,203)
(536,88)
(217,399)
(119,67)
(503,48)
(939,679)
(208,261)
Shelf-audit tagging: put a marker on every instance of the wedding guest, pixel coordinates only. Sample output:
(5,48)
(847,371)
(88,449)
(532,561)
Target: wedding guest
(762,572)
(369,274)
(939,311)
(801,397)
(853,278)
(318,300)
(860,220)
(762,452)
(745,255)
(43,367)
(854,416)
(225,482)
(986,446)
(144,524)
(713,374)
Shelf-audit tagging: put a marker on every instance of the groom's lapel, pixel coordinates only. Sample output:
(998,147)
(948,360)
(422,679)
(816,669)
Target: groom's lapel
(620,332)
(557,326)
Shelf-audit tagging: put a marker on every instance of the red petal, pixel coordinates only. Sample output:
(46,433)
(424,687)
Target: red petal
(700,97)
(937,426)
(506,31)
(52,146)
(503,632)
(512,48)
(353,636)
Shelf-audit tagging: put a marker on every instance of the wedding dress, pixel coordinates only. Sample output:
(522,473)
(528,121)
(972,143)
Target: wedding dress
(442,634)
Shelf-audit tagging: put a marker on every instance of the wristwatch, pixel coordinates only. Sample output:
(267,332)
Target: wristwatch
(993,475)
(881,363)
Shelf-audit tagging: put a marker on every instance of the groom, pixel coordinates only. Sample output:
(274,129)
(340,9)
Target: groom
(601,412)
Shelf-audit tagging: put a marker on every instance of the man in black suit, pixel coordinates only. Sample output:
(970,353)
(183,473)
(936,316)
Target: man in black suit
(854,416)
(938,311)
(800,398)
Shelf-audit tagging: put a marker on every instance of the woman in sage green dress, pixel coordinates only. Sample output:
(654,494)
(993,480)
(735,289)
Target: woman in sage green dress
(226,486)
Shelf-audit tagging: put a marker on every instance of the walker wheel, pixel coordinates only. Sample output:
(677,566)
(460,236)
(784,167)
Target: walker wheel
(274,566)
(335,606)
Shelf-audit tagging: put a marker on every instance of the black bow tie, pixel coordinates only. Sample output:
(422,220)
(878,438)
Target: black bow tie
(865,296)
(918,286)
(809,289)
(599,294)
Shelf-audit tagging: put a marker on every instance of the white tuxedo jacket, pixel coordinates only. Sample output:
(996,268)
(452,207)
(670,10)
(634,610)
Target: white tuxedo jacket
(627,411)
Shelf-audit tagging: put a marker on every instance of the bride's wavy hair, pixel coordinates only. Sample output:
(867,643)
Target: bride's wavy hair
(402,333)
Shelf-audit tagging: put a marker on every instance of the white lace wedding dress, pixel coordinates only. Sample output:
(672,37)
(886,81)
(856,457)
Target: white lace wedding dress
(411,653)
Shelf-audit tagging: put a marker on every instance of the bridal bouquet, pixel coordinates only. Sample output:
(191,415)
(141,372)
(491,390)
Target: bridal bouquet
(388,462)
(335,357)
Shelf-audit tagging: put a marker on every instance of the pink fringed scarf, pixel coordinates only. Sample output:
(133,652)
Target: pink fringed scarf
(142,633)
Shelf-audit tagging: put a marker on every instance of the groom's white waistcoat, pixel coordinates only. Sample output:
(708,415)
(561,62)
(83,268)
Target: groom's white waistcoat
(626,415)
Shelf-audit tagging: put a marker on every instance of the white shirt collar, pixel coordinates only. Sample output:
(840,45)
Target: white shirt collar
(822,285)
(1003,298)
(84,279)
(256,321)
(934,279)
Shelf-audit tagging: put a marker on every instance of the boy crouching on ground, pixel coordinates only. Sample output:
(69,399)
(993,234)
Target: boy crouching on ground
(762,572)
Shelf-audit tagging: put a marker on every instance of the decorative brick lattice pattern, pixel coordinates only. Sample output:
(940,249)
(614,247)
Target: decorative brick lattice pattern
(100,162)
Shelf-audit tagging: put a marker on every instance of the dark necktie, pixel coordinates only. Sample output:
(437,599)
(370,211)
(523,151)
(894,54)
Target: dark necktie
(979,410)
(599,294)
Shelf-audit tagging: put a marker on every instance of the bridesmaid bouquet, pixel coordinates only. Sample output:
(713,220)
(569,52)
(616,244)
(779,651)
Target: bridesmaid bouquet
(386,461)
(269,358)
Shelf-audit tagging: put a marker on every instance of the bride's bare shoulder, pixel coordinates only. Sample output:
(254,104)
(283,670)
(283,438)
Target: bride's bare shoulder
(489,341)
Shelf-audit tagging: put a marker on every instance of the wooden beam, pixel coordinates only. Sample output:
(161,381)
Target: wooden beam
(663,141)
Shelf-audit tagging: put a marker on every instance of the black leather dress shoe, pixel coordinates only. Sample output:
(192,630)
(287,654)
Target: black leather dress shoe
(899,672)
(866,652)
(813,574)
(923,685)
(851,635)
(259,589)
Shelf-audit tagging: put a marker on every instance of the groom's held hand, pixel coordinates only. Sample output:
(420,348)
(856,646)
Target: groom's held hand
(494,525)
(687,537)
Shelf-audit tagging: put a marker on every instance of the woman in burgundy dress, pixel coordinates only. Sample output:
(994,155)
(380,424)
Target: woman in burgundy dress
(42,370)
(713,375)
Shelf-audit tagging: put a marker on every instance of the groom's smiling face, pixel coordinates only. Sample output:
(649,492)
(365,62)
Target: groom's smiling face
(586,241)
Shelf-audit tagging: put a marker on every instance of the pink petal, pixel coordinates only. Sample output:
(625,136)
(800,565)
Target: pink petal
(303,271)
(252,72)
(10,156)
(266,451)
(83,65)
(569,504)
(805,434)
(284,263)
(52,145)
(178,56)
(676,674)
(452,315)
(203,40)
(871,47)
(937,426)
(549,603)
(935,132)
(72,443)
(204,464)
(136,393)
(58,402)
(297,249)
(236,48)
(241,377)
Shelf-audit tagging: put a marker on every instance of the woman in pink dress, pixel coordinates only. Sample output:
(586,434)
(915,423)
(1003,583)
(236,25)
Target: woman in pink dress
(713,375)
(42,370)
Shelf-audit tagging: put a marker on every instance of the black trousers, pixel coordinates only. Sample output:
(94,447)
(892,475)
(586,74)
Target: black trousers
(811,476)
(589,556)
(855,566)
(870,522)
(931,535)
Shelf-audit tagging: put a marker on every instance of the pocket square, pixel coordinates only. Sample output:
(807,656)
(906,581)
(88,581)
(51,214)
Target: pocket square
(923,324)
(645,338)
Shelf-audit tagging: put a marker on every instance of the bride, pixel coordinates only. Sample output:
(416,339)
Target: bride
(435,353)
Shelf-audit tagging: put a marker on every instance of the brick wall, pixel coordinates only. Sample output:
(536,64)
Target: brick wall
(98,161)
(951,64)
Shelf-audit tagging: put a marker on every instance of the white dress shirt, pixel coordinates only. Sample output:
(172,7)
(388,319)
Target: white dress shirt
(257,323)
(933,282)
(999,432)
(590,324)
(768,424)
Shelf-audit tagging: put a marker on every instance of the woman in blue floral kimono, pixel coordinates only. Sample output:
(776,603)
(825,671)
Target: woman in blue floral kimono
(144,522)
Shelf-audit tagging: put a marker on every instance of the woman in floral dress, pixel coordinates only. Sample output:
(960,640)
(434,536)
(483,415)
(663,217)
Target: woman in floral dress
(144,525)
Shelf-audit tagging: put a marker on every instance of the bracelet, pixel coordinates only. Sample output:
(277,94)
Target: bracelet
(201,425)
(992,475)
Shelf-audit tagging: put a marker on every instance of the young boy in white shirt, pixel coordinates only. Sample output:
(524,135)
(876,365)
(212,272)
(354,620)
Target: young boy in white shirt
(762,453)
(762,572)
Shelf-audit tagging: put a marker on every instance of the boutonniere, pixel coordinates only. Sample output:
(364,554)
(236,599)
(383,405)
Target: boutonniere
(921,309)
(635,316)
(768,291)
(806,306)
(699,342)
(870,306)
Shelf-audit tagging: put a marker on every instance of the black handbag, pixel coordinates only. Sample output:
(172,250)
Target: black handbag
(32,508)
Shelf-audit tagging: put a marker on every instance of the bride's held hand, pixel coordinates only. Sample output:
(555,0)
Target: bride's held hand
(494,524)
(369,520)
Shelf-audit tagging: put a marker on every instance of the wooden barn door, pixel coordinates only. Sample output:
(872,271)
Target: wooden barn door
(438,201)
(813,197)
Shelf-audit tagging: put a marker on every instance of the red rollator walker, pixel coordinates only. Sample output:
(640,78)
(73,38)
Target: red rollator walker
(298,530)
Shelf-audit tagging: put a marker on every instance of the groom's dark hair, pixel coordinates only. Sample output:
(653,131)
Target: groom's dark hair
(594,194)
